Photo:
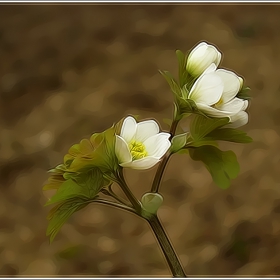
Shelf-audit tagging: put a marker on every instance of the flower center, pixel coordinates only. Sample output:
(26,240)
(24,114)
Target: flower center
(137,150)
(220,102)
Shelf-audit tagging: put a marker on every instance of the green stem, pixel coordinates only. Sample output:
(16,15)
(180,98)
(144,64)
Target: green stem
(159,173)
(169,253)
(114,204)
(162,164)
(134,201)
(173,127)
(119,199)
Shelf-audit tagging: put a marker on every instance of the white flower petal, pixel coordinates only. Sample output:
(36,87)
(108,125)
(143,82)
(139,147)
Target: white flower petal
(246,103)
(241,82)
(219,57)
(157,145)
(231,82)
(122,151)
(207,89)
(238,120)
(128,129)
(212,112)
(212,68)
(234,106)
(143,163)
(145,130)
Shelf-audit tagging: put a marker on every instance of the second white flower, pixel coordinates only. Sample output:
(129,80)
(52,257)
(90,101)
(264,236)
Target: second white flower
(141,145)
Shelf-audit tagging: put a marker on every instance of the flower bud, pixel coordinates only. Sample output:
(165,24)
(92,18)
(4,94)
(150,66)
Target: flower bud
(201,57)
(151,202)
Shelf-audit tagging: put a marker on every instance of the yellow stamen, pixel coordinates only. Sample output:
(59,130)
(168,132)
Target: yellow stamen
(137,150)
(220,102)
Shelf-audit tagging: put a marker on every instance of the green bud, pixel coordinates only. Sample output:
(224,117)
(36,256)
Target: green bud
(178,142)
(151,202)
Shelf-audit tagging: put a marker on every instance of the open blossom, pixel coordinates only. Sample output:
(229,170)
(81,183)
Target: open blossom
(215,94)
(201,57)
(140,145)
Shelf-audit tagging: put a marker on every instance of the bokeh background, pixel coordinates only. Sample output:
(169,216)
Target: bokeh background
(67,71)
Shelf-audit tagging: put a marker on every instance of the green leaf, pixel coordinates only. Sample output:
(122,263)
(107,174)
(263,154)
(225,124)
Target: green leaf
(172,83)
(60,214)
(54,182)
(69,189)
(93,181)
(178,142)
(183,74)
(203,142)
(230,134)
(87,185)
(70,252)
(60,169)
(99,152)
(222,165)
(201,126)
(104,155)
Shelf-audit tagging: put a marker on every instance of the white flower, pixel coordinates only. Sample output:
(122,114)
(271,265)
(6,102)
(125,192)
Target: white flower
(140,145)
(201,57)
(207,90)
(215,92)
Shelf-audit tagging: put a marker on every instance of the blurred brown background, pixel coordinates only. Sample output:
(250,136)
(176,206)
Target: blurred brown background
(70,70)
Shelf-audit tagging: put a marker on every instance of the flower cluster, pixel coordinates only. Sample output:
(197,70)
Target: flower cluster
(215,90)
(91,167)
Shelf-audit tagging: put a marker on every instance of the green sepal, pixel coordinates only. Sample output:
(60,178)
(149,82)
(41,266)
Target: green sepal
(243,93)
(187,106)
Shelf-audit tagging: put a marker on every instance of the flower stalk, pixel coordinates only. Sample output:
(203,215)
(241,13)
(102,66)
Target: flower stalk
(163,163)
(134,201)
(166,246)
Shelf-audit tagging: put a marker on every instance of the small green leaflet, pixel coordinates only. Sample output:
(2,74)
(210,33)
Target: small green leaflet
(229,134)
(222,165)
(201,126)
(60,214)
(172,83)
(182,62)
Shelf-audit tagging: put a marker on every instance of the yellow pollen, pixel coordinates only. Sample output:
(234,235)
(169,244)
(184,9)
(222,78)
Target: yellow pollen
(137,150)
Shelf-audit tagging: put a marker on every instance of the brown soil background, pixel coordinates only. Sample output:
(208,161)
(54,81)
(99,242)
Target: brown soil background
(70,70)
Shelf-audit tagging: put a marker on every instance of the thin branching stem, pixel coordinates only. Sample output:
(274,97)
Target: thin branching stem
(119,199)
(113,204)
(134,201)
(163,163)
